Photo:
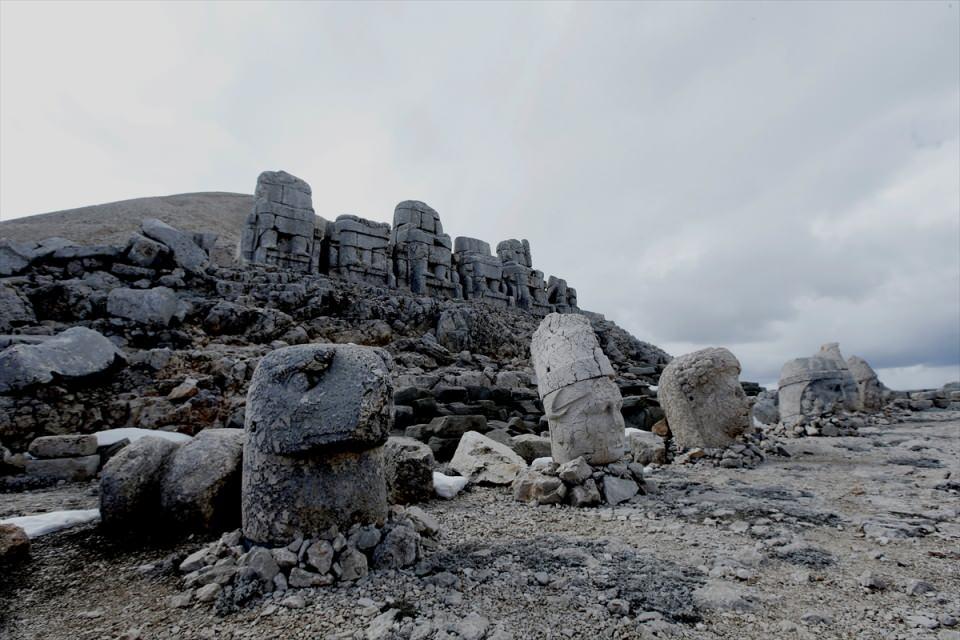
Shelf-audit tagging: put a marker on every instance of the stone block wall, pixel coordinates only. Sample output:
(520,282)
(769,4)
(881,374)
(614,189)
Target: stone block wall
(413,254)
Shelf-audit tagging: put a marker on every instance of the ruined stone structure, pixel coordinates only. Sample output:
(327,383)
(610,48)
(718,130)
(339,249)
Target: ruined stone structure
(810,388)
(413,254)
(702,398)
(580,400)
(358,250)
(831,351)
(280,230)
(422,252)
(317,418)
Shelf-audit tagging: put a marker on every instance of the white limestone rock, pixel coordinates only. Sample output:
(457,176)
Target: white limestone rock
(482,460)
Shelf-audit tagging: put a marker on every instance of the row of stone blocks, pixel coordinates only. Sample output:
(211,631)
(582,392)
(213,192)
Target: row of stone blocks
(414,253)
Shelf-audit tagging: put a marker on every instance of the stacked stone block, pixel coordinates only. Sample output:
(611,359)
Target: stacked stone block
(524,283)
(280,231)
(481,274)
(422,256)
(359,251)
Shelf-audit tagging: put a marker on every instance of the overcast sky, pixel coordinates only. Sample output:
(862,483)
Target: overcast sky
(761,176)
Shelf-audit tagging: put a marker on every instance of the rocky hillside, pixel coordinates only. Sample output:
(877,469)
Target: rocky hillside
(180,319)
(112,223)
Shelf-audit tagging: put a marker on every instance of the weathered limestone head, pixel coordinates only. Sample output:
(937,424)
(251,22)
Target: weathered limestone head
(565,350)
(831,351)
(580,400)
(702,398)
(319,397)
(810,388)
(869,388)
(317,417)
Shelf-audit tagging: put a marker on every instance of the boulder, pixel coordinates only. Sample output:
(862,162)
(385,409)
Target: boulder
(14,257)
(67,446)
(152,307)
(317,417)
(186,252)
(533,486)
(14,310)
(704,403)
(530,447)
(617,490)
(408,469)
(130,484)
(144,252)
(64,469)
(14,544)
(646,447)
(482,460)
(201,485)
(73,354)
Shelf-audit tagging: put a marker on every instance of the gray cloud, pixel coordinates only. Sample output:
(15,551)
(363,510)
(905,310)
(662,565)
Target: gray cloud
(766,176)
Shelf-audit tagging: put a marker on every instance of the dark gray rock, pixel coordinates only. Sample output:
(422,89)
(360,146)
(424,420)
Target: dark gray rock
(186,252)
(14,310)
(67,446)
(76,353)
(144,252)
(201,485)
(153,307)
(130,484)
(408,468)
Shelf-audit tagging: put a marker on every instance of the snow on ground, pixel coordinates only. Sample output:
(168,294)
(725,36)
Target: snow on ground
(448,486)
(44,523)
(112,436)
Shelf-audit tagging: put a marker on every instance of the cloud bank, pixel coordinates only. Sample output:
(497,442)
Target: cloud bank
(763,176)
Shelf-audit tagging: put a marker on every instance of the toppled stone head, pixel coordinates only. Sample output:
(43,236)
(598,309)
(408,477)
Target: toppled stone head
(702,398)
(581,402)
(317,418)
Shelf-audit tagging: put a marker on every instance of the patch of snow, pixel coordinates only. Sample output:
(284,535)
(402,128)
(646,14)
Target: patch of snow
(448,486)
(44,523)
(757,423)
(112,436)
(654,388)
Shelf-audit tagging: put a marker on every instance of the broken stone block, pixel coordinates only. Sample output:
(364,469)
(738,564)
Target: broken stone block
(67,446)
(482,460)
(77,469)
(152,307)
(700,394)
(408,470)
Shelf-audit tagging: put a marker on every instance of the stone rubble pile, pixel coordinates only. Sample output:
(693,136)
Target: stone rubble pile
(579,484)
(233,571)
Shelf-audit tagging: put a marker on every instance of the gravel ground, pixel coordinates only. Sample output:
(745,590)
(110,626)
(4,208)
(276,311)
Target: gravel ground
(778,551)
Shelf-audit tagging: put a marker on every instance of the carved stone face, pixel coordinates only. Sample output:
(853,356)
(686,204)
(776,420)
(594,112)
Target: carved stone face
(702,398)
(812,387)
(585,420)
